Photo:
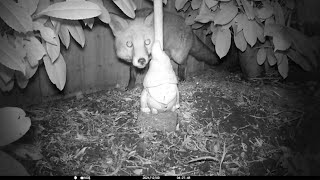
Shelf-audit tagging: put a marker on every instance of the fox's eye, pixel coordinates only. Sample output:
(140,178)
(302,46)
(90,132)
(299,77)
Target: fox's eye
(129,43)
(147,42)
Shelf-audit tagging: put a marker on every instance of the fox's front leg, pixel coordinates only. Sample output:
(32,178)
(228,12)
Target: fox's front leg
(154,111)
(182,70)
(144,101)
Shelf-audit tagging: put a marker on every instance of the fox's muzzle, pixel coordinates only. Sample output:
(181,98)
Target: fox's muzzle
(142,61)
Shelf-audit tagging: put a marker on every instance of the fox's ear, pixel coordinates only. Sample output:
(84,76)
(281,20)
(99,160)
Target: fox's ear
(149,20)
(117,23)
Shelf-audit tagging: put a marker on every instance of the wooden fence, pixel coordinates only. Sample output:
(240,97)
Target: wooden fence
(92,68)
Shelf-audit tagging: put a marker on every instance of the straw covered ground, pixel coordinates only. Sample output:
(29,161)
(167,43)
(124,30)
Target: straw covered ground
(227,126)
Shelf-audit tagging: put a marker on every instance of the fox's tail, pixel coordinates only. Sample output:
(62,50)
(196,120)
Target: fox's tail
(202,52)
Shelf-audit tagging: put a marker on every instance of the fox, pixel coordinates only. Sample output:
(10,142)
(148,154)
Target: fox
(134,39)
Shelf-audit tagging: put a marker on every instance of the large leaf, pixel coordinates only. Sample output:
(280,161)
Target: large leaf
(240,41)
(205,14)
(278,56)
(204,18)
(53,50)
(272,29)
(197,25)
(229,24)
(46,33)
(10,57)
(10,166)
(35,50)
(248,9)
(179,4)
(211,3)
(304,45)
(127,6)
(261,56)
(186,6)
(30,71)
(271,57)
(104,16)
(204,9)
(260,32)
(13,124)
(63,32)
(21,80)
(281,37)
(29,5)
(279,15)
(299,59)
(11,40)
(6,87)
(64,35)
(266,11)
(18,44)
(6,74)
(43,4)
(15,16)
(76,31)
(56,71)
(223,42)
(72,10)
(281,41)
(249,31)
(283,66)
(214,29)
(241,21)
(195,4)
(270,20)
(227,13)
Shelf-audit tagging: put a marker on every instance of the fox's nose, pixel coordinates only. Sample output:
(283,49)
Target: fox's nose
(142,61)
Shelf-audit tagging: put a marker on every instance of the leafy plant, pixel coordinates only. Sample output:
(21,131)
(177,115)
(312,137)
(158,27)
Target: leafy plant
(31,32)
(248,21)
(13,125)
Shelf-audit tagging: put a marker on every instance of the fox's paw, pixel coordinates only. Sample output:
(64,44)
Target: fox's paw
(146,110)
(175,107)
(130,87)
(154,111)
(182,79)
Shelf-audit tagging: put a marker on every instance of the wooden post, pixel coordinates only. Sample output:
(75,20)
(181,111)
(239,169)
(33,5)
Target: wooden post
(158,21)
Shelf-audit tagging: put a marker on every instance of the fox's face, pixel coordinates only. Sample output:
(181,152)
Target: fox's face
(133,39)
